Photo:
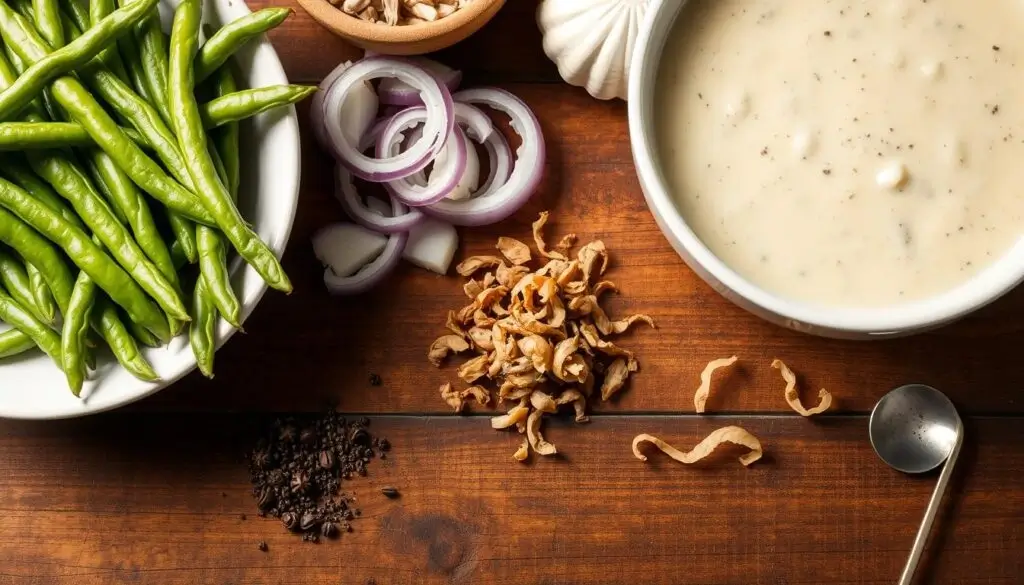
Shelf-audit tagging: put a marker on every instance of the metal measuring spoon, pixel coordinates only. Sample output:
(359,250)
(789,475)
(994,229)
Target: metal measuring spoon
(915,428)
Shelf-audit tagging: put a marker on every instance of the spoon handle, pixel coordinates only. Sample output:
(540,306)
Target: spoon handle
(933,508)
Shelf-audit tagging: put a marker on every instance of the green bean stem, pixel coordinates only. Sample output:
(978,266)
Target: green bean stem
(80,249)
(192,141)
(230,37)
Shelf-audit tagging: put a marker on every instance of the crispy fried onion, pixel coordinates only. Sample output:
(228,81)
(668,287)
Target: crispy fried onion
(443,345)
(735,435)
(793,397)
(537,442)
(540,334)
(523,451)
(515,251)
(701,397)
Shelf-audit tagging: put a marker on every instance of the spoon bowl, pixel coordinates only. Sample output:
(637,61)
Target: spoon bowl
(914,428)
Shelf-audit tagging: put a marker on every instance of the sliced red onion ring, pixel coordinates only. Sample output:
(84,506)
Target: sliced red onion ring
(443,178)
(504,200)
(358,108)
(396,92)
(356,208)
(373,273)
(438,127)
(501,161)
(470,177)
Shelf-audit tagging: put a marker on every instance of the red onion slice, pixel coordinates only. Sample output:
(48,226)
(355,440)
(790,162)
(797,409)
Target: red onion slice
(501,161)
(356,208)
(438,127)
(396,92)
(358,108)
(443,178)
(504,200)
(375,272)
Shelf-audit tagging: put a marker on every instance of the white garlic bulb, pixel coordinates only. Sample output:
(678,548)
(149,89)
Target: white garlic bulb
(591,41)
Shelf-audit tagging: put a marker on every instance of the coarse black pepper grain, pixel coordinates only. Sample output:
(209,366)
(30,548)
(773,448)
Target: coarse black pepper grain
(297,468)
(375,380)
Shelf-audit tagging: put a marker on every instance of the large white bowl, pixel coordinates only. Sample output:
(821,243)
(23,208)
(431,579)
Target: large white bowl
(31,386)
(903,319)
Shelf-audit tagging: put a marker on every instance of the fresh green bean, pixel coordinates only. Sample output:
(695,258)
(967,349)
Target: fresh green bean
(153,56)
(39,252)
(226,137)
(230,37)
(14,278)
(41,295)
(239,105)
(16,316)
(201,330)
(66,59)
(101,127)
(80,249)
(215,113)
(75,332)
(16,169)
(47,16)
(130,57)
(14,342)
(106,320)
(77,18)
(143,336)
(184,236)
(192,141)
(125,198)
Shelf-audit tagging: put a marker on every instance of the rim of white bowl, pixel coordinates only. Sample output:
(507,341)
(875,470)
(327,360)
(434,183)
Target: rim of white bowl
(171,363)
(984,288)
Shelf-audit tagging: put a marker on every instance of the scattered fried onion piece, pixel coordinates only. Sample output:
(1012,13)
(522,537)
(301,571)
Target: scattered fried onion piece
(579,403)
(793,398)
(701,397)
(538,237)
(474,369)
(482,396)
(542,401)
(507,276)
(620,326)
(588,257)
(474,263)
(482,338)
(537,441)
(452,397)
(515,415)
(517,252)
(614,378)
(523,452)
(444,344)
(735,435)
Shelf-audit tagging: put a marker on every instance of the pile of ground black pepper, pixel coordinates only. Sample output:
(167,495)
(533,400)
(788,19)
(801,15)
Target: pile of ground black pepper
(297,469)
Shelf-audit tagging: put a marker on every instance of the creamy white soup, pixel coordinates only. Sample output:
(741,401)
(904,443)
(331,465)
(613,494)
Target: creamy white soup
(857,153)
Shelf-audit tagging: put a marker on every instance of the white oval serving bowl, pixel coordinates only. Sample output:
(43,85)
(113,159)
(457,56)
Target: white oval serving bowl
(31,386)
(904,319)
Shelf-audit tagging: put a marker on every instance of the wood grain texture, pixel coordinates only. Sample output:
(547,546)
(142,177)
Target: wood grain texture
(142,500)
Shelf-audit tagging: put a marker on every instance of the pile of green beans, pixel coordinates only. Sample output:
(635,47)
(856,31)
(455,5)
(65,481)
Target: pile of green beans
(119,172)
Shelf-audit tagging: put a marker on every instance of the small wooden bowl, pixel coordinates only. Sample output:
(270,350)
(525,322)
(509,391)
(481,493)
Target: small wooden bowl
(413,39)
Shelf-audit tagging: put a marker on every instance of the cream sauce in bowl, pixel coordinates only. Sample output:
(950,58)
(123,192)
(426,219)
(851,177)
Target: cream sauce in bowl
(848,154)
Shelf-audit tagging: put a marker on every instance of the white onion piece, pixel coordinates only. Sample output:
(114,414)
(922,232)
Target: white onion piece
(398,93)
(358,109)
(470,176)
(438,127)
(501,160)
(432,245)
(353,205)
(344,248)
(504,200)
(374,272)
(443,178)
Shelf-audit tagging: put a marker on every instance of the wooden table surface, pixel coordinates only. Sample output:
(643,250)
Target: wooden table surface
(154,493)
